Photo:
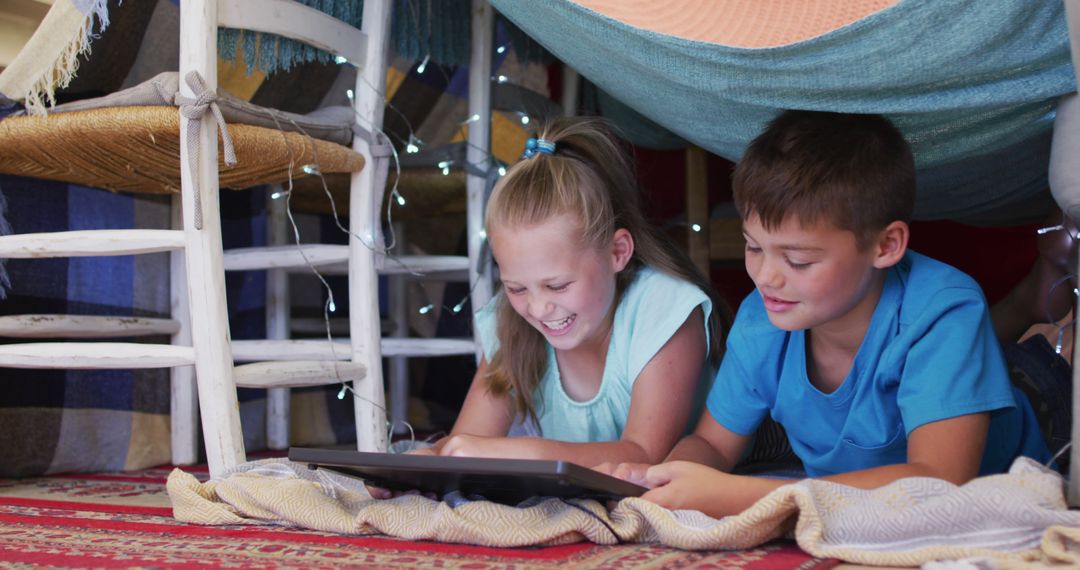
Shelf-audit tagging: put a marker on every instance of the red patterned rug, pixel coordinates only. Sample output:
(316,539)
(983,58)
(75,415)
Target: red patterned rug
(124,520)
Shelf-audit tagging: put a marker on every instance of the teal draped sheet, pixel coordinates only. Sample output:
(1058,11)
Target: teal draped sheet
(973,84)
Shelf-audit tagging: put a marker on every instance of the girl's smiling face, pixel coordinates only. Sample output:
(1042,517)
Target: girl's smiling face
(563,288)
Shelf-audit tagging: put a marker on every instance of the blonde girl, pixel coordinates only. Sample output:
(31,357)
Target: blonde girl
(597,347)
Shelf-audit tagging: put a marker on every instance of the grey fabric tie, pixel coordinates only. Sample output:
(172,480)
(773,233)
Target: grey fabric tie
(193,110)
(378,144)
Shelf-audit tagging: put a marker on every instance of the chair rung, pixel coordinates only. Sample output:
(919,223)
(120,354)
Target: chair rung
(427,346)
(87,243)
(321,349)
(287,257)
(284,350)
(334,260)
(425,264)
(445,267)
(94,355)
(83,326)
(448,268)
(297,373)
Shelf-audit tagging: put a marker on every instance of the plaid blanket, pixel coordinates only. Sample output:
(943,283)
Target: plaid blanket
(88,420)
(110,420)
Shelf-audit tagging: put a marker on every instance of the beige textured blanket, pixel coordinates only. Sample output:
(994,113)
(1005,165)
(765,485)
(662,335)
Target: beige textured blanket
(1019,519)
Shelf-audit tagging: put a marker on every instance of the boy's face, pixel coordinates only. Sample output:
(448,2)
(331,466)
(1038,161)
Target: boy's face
(811,277)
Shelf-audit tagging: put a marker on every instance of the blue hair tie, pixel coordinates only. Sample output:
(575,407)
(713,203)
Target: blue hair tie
(534,146)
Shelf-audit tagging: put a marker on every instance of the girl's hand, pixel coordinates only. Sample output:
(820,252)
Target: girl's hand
(632,472)
(464,445)
(379,492)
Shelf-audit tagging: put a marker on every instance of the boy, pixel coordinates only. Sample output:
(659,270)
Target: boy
(880,363)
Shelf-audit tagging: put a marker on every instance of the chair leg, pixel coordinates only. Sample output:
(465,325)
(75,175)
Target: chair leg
(277,326)
(184,415)
(369,399)
(478,151)
(218,404)
(365,197)
(399,365)
(220,411)
(277,418)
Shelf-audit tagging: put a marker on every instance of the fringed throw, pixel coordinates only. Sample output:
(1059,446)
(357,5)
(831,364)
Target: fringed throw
(51,57)
(438,29)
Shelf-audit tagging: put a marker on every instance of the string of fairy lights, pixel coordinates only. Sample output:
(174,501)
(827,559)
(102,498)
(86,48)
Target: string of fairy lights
(412,144)
(1068,277)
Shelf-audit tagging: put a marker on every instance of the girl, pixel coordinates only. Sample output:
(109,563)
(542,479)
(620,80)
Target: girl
(595,349)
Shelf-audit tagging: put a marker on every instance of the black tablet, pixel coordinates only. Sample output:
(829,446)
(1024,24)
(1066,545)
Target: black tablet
(508,481)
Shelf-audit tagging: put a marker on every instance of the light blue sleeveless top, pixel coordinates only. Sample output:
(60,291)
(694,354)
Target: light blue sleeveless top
(652,308)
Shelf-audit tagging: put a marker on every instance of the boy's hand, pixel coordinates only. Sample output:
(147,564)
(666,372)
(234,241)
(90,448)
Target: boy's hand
(632,472)
(685,485)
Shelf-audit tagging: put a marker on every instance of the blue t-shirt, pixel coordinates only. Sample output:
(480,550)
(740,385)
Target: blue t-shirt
(929,354)
(651,309)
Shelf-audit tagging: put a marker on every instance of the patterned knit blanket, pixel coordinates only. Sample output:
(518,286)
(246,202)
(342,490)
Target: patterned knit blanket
(1019,519)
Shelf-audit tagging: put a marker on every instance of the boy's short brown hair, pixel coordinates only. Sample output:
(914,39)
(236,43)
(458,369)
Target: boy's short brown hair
(854,171)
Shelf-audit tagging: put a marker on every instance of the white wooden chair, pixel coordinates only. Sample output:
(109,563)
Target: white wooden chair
(363,351)
(397,347)
(478,154)
(199,243)
(484,97)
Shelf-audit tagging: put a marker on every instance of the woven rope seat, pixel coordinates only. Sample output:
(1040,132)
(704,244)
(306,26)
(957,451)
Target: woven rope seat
(137,149)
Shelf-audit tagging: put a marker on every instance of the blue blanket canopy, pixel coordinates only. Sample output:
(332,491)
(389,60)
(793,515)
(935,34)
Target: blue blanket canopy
(973,84)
